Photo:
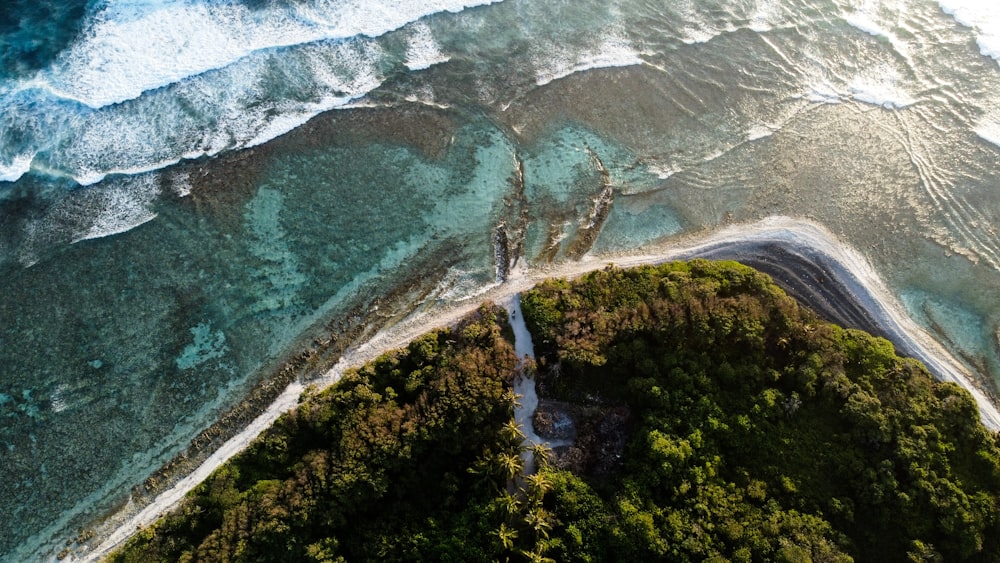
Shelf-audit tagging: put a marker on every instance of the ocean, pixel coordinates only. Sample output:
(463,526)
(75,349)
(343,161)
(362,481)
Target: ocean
(193,192)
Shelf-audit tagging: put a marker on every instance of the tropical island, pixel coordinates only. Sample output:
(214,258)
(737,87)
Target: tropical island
(702,414)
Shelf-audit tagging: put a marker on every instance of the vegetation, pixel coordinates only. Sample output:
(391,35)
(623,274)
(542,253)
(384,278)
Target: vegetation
(374,468)
(753,432)
(759,432)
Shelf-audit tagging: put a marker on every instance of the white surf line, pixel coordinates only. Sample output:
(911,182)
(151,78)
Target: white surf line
(795,232)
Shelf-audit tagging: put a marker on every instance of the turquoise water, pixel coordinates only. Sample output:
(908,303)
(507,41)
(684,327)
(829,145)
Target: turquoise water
(180,217)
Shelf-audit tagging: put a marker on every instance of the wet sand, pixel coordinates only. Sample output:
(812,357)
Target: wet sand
(802,256)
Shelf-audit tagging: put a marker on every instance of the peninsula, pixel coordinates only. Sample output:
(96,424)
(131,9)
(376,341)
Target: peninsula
(844,269)
(709,416)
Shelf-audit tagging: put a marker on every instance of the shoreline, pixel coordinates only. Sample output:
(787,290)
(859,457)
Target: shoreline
(856,288)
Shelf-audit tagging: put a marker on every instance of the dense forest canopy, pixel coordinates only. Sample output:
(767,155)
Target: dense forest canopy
(715,419)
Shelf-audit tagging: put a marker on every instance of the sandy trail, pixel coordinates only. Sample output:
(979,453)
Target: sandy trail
(846,267)
(524,387)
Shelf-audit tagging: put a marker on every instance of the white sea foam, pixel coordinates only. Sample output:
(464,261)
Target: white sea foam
(699,27)
(877,86)
(18,167)
(983,16)
(694,34)
(662,171)
(759,131)
(111,208)
(557,62)
(180,184)
(865,21)
(232,110)
(822,93)
(880,87)
(423,50)
(459,285)
(172,81)
(118,207)
(286,122)
(694,28)
(765,17)
(128,48)
(354,75)
(89,176)
(988,127)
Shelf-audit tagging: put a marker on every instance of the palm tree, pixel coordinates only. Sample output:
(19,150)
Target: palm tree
(511,432)
(506,536)
(510,465)
(541,453)
(539,520)
(509,396)
(536,555)
(510,503)
(538,484)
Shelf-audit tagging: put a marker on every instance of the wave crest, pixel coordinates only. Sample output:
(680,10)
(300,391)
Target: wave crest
(130,48)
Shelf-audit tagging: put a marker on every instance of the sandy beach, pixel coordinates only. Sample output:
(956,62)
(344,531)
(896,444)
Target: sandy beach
(802,256)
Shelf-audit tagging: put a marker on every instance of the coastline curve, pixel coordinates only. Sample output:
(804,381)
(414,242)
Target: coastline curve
(803,257)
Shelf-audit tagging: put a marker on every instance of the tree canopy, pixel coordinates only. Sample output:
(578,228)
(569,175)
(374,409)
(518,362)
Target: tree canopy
(761,433)
(752,431)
